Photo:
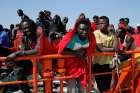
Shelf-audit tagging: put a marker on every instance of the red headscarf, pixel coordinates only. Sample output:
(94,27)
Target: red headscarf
(94,26)
(68,37)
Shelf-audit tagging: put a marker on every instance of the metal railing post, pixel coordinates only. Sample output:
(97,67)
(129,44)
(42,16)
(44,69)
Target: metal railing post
(35,83)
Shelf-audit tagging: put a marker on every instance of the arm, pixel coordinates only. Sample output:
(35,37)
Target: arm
(108,49)
(129,43)
(79,53)
(27,52)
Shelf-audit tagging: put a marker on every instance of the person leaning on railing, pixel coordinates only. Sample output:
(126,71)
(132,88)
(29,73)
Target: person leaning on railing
(130,43)
(28,44)
(80,42)
(106,42)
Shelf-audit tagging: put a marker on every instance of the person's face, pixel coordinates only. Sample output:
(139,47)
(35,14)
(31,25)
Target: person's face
(103,24)
(26,28)
(83,30)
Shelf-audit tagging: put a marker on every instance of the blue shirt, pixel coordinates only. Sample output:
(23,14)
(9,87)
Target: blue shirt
(4,39)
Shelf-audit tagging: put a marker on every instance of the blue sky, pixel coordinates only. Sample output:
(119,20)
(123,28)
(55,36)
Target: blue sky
(114,9)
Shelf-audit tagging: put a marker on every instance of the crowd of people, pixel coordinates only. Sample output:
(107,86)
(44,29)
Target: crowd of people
(49,35)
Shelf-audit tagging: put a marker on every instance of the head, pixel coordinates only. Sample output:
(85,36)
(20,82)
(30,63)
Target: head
(82,16)
(103,23)
(27,27)
(126,20)
(12,26)
(1,28)
(20,12)
(121,20)
(83,26)
(122,24)
(95,19)
(65,20)
(57,19)
(41,15)
(47,13)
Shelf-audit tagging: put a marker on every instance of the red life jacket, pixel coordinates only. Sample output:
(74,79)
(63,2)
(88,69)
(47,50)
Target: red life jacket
(46,46)
(137,39)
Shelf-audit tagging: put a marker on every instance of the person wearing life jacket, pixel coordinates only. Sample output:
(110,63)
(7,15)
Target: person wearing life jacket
(129,43)
(49,39)
(125,77)
(80,41)
(122,31)
(94,24)
(129,28)
(136,36)
(28,44)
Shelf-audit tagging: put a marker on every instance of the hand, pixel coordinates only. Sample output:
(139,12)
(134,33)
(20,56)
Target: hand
(58,35)
(80,53)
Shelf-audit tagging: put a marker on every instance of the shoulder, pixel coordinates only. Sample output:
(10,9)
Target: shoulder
(97,32)
(4,33)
